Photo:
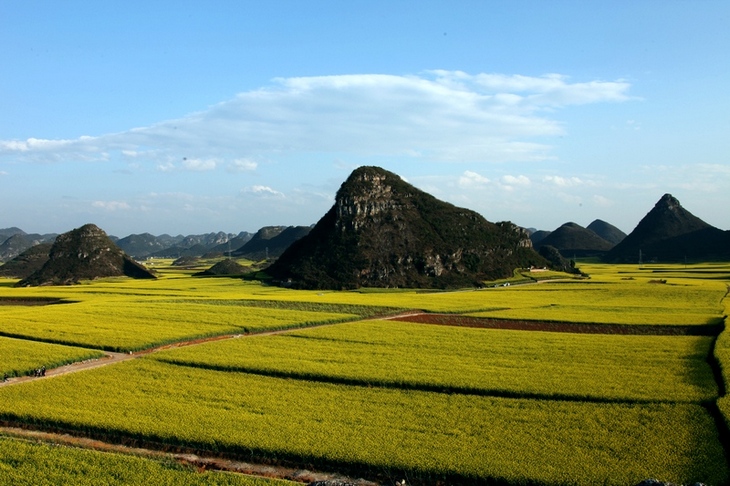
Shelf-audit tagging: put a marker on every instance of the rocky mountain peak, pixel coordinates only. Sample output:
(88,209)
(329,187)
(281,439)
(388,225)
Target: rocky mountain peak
(670,233)
(84,253)
(365,196)
(383,232)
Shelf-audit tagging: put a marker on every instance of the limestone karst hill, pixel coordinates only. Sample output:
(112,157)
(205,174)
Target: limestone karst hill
(670,233)
(84,253)
(383,232)
(224,268)
(607,231)
(573,240)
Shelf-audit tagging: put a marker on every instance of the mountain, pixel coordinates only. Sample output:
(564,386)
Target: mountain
(607,231)
(572,239)
(83,254)
(28,262)
(166,246)
(14,241)
(224,268)
(670,233)
(537,236)
(6,233)
(271,241)
(142,245)
(383,232)
(14,246)
(227,248)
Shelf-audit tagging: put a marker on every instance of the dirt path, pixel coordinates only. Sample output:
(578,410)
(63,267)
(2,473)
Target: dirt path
(200,462)
(409,316)
(113,358)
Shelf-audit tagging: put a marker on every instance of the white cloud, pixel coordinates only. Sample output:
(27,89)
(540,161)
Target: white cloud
(111,205)
(470,179)
(199,165)
(519,180)
(263,191)
(438,115)
(563,181)
(242,165)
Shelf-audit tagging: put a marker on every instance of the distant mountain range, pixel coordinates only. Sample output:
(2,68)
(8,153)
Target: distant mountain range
(384,232)
(270,242)
(14,241)
(573,240)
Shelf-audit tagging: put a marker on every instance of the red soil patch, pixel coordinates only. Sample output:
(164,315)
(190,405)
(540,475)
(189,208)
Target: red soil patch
(548,326)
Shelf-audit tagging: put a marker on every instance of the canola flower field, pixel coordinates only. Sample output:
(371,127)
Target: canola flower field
(21,357)
(386,398)
(474,361)
(26,463)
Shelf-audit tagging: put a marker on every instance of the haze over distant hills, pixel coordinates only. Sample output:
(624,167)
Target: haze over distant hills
(270,242)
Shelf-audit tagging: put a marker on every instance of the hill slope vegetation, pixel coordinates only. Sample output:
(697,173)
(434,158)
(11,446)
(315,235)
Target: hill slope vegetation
(85,253)
(383,232)
(670,233)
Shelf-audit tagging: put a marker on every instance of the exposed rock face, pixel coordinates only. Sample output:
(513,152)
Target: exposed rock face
(83,254)
(671,233)
(383,232)
(572,239)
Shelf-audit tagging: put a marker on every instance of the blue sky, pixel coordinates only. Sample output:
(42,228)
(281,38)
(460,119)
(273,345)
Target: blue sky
(193,117)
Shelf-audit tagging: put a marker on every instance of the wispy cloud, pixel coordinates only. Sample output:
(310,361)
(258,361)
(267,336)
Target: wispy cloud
(264,191)
(111,205)
(437,115)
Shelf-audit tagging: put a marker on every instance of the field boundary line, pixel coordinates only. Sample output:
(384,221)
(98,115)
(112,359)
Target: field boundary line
(184,456)
(113,357)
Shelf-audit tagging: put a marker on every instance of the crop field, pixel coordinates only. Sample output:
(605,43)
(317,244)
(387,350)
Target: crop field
(21,357)
(36,464)
(119,324)
(474,361)
(380,397)
(435,435)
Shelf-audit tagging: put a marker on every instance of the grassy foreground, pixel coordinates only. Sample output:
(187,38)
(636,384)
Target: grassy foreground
(36,464)
(474,361)
(21,357)
(422,401)
(426,434)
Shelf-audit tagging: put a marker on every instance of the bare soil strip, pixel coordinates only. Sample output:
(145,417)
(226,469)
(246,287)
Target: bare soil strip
(574,327)
(189,458)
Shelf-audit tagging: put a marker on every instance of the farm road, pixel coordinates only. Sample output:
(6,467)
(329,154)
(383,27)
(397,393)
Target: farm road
(113,358)
(191,458)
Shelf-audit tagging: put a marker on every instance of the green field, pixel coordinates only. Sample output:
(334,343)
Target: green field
(474,361)
(432,435)
(21,357)
(383,397)
(36,464)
